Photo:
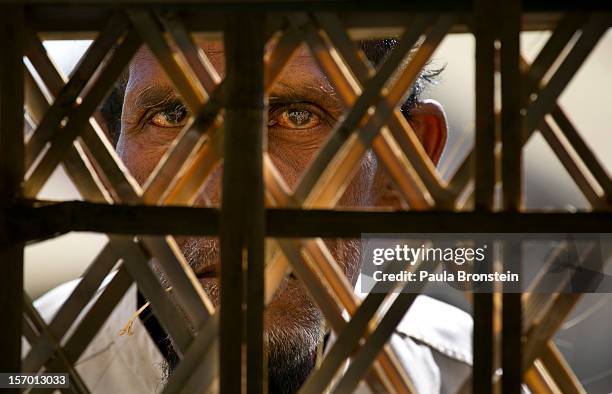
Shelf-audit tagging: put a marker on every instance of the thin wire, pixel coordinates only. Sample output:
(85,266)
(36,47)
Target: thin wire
(587,313)
(127,329)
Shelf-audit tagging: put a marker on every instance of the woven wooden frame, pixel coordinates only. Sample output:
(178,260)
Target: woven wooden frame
(67,132)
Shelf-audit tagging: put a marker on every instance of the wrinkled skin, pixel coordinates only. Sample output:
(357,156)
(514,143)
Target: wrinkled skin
(303,109)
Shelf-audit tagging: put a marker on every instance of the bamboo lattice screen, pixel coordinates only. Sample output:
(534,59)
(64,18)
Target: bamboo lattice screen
(228,124)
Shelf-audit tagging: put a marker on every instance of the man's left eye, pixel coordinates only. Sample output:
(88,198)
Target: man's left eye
(298,117)
(173,117)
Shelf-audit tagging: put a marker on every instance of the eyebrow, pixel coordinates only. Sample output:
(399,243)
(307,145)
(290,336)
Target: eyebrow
(322,94)
(153,96)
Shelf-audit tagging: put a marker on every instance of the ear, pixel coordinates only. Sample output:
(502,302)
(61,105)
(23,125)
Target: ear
(428,120)
(429,124)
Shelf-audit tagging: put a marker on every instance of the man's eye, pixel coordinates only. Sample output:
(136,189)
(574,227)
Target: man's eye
(175,117)
(298,117)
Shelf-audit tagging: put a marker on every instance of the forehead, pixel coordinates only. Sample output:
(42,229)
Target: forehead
(300,69)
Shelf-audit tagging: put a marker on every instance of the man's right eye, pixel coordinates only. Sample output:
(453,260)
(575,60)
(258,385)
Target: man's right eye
(170,118)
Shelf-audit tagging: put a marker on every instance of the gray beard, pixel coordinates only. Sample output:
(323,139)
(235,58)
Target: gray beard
(291,347)
(288,363)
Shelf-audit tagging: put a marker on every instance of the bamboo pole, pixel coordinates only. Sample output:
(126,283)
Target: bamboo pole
(11,176)
(242,230)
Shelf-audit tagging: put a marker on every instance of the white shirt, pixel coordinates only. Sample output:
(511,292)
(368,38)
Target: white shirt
(433,342)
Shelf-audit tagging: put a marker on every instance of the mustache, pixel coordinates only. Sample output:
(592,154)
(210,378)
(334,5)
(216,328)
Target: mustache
(202,253)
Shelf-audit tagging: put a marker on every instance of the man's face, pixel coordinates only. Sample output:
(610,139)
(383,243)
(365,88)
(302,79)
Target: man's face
(303,108)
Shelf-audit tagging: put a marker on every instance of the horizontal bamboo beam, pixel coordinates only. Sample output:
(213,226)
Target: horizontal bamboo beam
(82,21)
(29,221)
(341,5)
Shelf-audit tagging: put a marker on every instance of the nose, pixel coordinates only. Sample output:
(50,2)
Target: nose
(210,192)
